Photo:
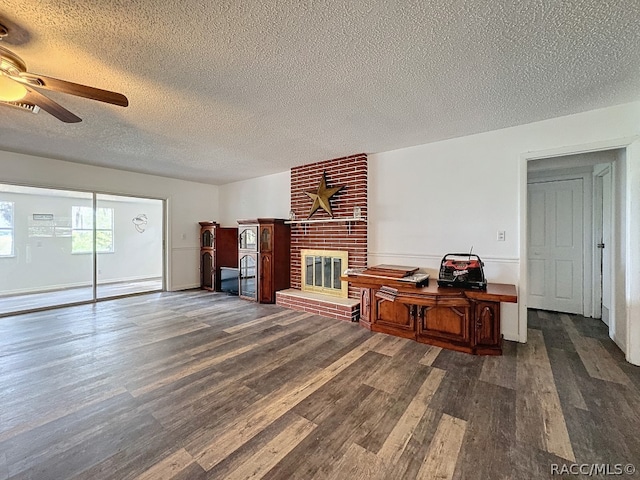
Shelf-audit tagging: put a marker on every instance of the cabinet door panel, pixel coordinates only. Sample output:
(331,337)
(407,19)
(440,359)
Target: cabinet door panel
(247,239)
(248,278)
(207,237)
(266,238)
(265,284)
(394,317)
(447,323)
(207,270)
(365,305)
(487,324)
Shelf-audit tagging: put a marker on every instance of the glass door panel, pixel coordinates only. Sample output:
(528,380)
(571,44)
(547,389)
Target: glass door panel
(249,239)
(207,238)
(46,239)
(248,281)
(129,247)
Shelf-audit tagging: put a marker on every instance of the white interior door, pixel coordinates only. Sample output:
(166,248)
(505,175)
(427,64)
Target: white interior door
(555,246)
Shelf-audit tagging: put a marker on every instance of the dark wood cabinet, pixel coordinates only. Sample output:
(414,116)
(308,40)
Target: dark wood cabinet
(444,320)
(264,252)
(218,248)
(207,271)
(486,324)
(457,319)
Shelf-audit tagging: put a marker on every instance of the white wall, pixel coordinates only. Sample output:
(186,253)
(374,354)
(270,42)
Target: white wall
(262,197)
(428,200)
(187,202)
(137,255)
(632,267)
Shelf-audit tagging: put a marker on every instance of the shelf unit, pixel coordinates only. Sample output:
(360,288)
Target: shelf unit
(347,220)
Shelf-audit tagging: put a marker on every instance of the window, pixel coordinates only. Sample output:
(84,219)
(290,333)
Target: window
(6,229)
(82,230)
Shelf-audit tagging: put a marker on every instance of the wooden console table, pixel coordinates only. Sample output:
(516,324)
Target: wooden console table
(454,318)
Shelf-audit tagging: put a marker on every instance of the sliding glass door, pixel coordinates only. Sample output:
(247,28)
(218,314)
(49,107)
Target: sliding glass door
(129,245)
(60,247)
(40,265)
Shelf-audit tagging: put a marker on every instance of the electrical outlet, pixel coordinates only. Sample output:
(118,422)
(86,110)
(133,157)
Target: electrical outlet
(501,234)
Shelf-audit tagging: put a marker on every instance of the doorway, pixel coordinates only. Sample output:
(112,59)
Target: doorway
(603,178)
(570,217)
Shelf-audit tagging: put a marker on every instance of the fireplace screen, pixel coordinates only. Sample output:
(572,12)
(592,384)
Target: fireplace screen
(321,271)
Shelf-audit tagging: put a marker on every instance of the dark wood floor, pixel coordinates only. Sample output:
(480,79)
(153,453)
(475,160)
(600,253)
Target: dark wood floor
(196,385)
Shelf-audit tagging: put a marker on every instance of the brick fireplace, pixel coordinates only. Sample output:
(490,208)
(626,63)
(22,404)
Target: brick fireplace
(350,172)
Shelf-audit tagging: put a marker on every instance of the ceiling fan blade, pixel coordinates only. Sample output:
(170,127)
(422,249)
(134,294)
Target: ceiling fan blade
(49,106)
(48,83)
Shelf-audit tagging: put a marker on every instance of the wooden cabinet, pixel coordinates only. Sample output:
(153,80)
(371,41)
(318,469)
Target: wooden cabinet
(486,325)
(264,257)
(457,319)
(396,318)
(444,319)
(365,307)
(218,248)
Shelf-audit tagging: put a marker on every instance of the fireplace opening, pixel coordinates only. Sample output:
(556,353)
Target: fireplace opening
(321,271)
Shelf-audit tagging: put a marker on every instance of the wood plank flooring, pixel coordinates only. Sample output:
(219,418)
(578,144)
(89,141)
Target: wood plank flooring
(195,385)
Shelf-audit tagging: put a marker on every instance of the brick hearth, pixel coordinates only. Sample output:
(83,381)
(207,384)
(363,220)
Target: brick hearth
(333,307)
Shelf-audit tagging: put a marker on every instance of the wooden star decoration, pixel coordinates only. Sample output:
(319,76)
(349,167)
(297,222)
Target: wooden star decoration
(321,197)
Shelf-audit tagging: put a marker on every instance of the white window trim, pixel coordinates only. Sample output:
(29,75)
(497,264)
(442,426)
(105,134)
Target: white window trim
(12,229)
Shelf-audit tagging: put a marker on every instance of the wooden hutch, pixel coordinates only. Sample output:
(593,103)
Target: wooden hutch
(465,320)
(218,248)
(263,258)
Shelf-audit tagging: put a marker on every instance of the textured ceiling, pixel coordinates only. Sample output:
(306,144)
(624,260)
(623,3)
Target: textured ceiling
(226,90)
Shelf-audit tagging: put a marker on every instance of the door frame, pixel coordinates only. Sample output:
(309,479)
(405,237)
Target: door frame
(585,175)
(620,143)
(598,227)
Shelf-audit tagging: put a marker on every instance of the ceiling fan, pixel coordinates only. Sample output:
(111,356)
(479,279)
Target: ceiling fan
(18,87)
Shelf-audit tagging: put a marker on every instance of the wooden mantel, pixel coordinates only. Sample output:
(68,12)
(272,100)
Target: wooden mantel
(465,320)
